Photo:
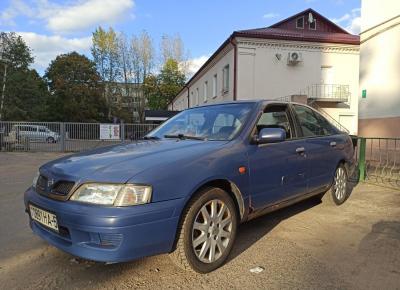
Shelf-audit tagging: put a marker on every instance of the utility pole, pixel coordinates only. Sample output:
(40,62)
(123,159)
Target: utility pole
(3,91)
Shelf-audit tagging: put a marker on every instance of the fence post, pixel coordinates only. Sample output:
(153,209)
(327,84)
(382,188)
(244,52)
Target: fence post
(122,131)
(361,164)
(63,137)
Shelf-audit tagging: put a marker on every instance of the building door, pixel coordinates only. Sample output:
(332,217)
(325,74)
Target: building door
(327,75)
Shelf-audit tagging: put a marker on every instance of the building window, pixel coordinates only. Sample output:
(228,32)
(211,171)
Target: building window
(313,25)
(191,99)
(300,22)
(197,96)
(205,93)
(215,86)
(225,79)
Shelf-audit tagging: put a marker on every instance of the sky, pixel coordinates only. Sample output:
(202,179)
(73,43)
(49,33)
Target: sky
(52,27)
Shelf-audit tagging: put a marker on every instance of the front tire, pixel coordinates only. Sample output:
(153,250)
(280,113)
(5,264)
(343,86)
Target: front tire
(338,192)
(207,231)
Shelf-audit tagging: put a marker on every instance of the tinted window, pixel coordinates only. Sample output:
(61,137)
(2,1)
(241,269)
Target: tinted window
(27,128)
(311,123)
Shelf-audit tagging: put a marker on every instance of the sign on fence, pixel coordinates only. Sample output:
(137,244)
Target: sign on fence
(109,132)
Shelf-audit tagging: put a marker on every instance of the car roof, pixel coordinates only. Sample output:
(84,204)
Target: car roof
(258,101)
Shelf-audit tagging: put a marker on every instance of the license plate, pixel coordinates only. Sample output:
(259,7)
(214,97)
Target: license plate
(44,217)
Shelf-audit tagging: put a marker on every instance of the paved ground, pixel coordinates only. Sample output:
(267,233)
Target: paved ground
(309,245)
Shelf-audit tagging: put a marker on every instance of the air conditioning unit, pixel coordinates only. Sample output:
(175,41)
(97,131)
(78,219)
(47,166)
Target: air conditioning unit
(294,58)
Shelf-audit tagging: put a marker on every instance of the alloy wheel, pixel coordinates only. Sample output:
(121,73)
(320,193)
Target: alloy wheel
(340,184)
(212,231)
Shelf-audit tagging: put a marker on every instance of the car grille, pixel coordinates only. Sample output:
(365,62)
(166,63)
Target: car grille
(61,188)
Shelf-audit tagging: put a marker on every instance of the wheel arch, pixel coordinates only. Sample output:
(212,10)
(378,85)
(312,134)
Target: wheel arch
(230,187)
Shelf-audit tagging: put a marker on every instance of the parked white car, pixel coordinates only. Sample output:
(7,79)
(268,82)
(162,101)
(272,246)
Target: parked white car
(34,133)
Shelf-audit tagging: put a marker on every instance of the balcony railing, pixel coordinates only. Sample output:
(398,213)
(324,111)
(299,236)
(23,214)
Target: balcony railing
(328,93)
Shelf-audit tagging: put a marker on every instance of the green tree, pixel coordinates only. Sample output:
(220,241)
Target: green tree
(25,92)
(76,89)
(161,89)
(106,55)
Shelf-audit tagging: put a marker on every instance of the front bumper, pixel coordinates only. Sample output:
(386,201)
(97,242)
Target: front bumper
(108,234)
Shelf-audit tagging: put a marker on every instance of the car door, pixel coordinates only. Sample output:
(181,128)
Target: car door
(277,170)
(33,133)
(322,147)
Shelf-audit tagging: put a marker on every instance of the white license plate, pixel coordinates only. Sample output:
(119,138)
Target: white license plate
(44,217)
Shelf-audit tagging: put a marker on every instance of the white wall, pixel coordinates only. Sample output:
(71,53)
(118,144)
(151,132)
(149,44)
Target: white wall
(261,75)
(226,57)
(379,62)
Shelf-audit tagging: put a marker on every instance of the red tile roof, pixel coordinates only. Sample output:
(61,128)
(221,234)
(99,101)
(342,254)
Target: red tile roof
(299,35)
(326,30)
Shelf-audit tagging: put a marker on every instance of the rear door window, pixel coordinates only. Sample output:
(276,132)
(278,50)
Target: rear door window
(311,123)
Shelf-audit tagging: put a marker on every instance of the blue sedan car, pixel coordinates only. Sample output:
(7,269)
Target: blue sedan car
(185,188)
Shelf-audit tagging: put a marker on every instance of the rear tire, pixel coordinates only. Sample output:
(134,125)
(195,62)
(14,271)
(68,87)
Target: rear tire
(50,140)
(338,192)
(207,231)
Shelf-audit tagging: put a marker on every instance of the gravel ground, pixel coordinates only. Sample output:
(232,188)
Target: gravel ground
(308,245)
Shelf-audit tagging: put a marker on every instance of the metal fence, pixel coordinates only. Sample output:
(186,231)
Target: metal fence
(328,92)
(66,137)
(379,161)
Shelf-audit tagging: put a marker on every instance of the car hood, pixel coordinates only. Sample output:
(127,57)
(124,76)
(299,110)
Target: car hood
(121,162)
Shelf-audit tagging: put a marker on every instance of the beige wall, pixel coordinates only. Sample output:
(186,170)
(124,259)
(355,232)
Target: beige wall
(226,57)
(380,68)
(261,75)
(374,12)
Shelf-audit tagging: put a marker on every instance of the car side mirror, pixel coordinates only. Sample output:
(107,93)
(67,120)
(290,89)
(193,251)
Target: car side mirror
(271,135)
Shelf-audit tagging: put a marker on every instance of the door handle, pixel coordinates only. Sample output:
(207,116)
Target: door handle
(300,150)
(332,144)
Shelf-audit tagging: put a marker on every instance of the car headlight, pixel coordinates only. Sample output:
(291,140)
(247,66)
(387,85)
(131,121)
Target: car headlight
(113,194)
(35,179)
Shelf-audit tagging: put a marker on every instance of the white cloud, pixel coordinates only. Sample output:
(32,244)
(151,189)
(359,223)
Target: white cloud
(74,16)
(351,21)
(16,8)
(87,14)
(196,63)
(46,48)
(270,15)
(355,25)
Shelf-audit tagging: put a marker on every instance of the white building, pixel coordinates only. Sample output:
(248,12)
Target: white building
(305,54)
(380,69)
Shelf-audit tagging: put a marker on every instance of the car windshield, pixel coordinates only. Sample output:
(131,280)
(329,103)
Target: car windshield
(219,122)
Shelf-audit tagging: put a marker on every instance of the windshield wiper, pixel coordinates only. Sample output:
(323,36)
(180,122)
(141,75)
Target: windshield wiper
(151,138)
(183,137)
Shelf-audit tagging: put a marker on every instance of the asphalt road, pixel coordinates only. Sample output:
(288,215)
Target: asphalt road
(309,245)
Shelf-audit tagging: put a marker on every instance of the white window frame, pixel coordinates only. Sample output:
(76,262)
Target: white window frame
(225,79)
(298,27)
(205,91)
(309,25)
(215,86)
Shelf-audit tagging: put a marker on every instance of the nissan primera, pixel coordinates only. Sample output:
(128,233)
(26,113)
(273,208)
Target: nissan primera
(186,187)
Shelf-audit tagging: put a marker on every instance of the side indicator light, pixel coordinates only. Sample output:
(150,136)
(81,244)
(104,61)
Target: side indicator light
(242,170)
